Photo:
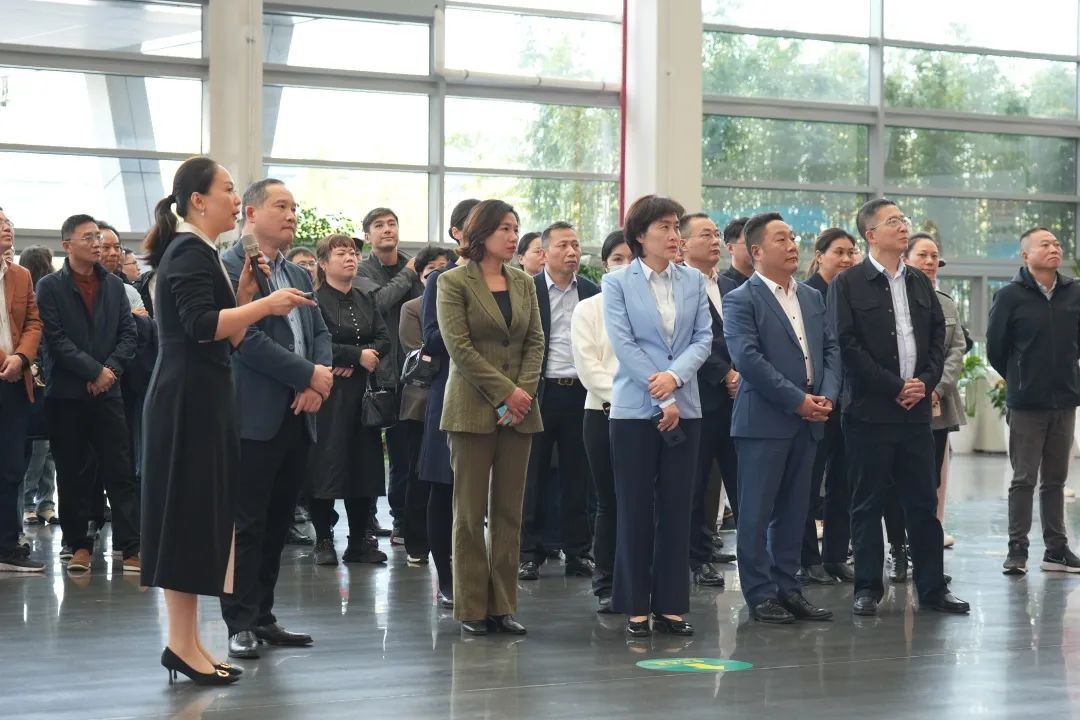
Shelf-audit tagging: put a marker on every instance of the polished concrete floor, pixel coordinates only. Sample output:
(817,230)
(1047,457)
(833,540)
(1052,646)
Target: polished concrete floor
(89,648)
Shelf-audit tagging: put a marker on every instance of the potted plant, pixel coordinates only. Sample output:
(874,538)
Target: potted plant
(973,370)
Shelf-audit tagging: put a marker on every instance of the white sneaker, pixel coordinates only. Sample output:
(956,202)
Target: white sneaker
(949,540)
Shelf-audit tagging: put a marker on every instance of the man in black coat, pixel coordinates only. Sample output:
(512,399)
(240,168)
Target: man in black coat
(742,266)
(90,338)
(892,332)
(562,407)
(391,279)
(1032,341)
(718,381)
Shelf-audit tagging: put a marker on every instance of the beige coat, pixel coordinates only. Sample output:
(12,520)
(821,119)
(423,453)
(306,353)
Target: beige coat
(488,359)
(952,406)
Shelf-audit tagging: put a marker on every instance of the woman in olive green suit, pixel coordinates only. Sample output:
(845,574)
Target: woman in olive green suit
(490,323)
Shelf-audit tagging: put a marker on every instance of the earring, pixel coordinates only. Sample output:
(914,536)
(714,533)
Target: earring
(203,213)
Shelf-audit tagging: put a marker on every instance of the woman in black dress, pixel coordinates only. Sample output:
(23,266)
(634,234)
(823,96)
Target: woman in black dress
(347,462)
(191,445)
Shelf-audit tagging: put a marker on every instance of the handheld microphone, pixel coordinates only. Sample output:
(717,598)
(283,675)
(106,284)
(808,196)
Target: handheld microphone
(251,249)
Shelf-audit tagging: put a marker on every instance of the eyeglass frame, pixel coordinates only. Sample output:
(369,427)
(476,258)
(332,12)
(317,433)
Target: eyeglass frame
(904,220)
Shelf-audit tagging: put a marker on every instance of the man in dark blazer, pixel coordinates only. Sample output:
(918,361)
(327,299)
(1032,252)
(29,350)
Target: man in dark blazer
(282,377)
(790,366)
(562,407)
(90,338)
(742,266)
(717,383)
(392,279)
(892,340)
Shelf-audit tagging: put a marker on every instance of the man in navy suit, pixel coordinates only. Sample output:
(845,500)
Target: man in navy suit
(562,407)
(282,373)
(790,366)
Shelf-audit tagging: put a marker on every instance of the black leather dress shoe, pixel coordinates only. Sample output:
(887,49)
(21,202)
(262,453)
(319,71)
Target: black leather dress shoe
(865,605)
(244,645)
(840,571)
(672,627)
(638,630)
(445,600)
(295,537)
(706,576)
(276,635)
(580,567)
(475,627)
(604,605)
(721,557)
(898,572)
(528,571)
(771,611)
(949,603)
(815,575)
(506,624)
(800,607)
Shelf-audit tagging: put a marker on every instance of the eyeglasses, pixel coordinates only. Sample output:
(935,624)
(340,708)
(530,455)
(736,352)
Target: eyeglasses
(89,239)
(895,222)
(7,224)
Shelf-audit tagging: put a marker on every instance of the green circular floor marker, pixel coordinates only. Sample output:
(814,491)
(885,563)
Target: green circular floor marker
(712,665)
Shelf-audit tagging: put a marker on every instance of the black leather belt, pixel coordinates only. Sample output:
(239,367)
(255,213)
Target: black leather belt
(565,382)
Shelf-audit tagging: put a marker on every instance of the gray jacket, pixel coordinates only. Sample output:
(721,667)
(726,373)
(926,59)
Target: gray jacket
(952,406)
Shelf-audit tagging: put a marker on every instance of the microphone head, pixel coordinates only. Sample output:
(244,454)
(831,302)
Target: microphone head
(251,246)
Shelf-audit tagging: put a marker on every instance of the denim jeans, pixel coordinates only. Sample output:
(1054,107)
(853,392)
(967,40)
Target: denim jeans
(39,485)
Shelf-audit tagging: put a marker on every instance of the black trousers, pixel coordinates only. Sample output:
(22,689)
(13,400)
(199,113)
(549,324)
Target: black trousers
(563,411)
(397,450)
(716,446)
(81,431)
(894,511)
(830,468)
(14,423)
(321,511)
(595,433)
(440,532)
(653,489)
(264,499)
(414,522)
(881,456)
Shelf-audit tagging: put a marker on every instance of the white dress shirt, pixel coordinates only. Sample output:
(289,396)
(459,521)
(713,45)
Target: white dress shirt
(712,289)
(594,357)
(905,331)
(789,302)
(663,292)
(7,343)
(560,360)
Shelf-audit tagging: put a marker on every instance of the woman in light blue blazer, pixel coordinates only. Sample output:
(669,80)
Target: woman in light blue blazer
(658,321)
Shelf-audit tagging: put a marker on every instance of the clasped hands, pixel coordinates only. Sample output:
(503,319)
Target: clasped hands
(814,408)
(519,403)
(105,380)
(12,369)
(912,394)
(311,399)
(369,360)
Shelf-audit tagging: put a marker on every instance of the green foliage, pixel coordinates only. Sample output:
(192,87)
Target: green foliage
(997,394)
(312,226)
(594,273)
(974,369)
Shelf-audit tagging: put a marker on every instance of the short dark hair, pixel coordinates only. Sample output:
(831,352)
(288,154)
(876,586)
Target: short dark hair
(128,251)
(38,260)
(482,223)
(255,195)
(614,239)
(526,241)
(913,239)
(642,213)
(73,222)
(459,214)
(828,236)
(1031,231)
(104,225)
(293,252)
(684,221)
(734,229)
(429,254)
(868,212)
(545,237)
(374,215)
(325,247)
(195,175)
(755,228)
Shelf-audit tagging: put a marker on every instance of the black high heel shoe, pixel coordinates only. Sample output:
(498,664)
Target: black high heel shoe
(172,662)
(231,669)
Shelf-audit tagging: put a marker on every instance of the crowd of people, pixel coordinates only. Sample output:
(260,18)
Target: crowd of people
(526,412)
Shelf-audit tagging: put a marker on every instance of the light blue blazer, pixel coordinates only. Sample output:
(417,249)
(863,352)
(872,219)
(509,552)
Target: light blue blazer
(637,337)
(764,348)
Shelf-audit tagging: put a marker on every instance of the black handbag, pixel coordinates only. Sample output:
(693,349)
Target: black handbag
(419,368)
(379,408)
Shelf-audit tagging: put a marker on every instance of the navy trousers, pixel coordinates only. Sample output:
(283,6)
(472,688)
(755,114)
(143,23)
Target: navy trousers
(653,493)
(774,497)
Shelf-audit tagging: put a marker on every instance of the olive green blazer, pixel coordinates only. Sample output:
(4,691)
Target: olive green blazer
(488,359)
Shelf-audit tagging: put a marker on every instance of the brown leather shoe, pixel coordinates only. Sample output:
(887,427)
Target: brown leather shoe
(79,562)
(133,564)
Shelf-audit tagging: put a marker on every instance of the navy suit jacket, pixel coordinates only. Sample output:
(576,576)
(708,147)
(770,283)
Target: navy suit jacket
(767,353)
(267,371)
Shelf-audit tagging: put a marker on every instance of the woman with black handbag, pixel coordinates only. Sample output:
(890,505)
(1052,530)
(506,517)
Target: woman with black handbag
(347,462)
